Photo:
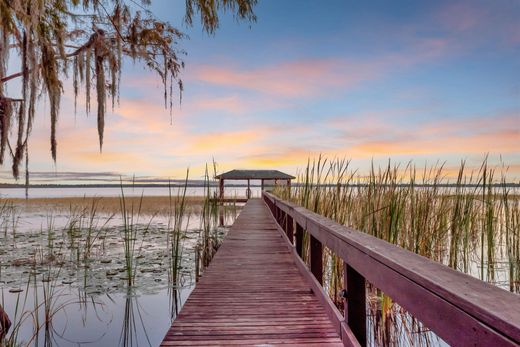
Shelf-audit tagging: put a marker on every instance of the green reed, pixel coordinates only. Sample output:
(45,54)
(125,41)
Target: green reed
(130,216)
(176,218)
(208,238)
(471,223)
(83,229)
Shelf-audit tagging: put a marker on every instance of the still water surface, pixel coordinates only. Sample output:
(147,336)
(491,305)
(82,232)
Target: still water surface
(62,192)
(70,269)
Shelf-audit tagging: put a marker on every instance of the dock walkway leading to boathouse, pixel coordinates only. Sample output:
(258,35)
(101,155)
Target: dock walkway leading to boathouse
(252,293)
(259,291)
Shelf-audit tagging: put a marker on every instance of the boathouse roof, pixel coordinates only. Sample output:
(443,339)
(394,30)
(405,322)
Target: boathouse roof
(254,175)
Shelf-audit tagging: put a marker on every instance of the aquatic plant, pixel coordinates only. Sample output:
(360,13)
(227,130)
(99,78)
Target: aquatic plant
(470,224)
(130,216)
(175,230)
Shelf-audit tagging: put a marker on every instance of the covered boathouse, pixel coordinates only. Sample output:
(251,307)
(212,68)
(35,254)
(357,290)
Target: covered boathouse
(274,176)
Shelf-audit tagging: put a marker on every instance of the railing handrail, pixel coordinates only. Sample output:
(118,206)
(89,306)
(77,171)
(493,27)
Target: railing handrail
(459,308)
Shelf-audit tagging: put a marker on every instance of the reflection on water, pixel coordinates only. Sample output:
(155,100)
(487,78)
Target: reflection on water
(63,280)
(118,319)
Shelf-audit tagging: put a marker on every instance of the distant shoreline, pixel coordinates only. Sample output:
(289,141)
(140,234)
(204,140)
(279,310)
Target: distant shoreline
(109,185)
(215,185)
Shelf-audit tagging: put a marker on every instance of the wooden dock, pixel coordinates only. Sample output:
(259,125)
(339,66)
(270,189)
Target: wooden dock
(259,291)
(253,293)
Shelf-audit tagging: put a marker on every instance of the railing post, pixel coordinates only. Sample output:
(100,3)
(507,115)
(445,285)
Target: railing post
(299,239)
(289,228)
(316,254)
(355,305)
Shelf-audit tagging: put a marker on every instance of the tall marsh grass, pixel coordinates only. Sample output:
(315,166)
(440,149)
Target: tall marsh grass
(178,221)
(470,222)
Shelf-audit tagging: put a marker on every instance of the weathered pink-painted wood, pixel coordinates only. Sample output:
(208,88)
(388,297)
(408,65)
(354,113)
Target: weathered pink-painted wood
(459,308)
(253,294)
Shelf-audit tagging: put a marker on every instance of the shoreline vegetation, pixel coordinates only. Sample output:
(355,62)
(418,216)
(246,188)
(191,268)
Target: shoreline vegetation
(148,205)
(472,226)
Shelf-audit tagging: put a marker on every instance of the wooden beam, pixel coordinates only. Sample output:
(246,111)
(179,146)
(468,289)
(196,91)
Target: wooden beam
(316,253)
(289,228)
(355,313)
(299,239)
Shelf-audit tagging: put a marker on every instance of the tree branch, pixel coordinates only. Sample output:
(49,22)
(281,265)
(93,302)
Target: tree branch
(87,45)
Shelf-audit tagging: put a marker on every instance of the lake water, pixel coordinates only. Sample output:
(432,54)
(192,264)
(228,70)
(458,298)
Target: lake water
(72,269)
(41,192)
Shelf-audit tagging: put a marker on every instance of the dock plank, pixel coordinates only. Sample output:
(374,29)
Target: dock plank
(252,294)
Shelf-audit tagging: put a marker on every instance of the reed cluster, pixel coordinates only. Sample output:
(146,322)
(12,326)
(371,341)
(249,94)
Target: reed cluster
(470,222)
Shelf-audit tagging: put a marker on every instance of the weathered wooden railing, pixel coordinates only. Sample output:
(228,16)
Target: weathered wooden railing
(460,309)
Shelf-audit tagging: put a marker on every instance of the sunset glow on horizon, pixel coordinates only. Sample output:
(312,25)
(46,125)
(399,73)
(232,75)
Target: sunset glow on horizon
(408,81)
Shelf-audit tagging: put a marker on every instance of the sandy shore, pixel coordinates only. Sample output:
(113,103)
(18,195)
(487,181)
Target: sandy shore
(146,204)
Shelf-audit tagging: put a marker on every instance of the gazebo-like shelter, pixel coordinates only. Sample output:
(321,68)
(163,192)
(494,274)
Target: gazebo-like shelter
(262,175)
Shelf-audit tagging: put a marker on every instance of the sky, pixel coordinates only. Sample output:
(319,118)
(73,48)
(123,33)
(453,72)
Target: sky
(421,81)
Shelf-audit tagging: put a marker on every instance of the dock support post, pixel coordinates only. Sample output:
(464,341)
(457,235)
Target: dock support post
(248,189)
(221,198)
(221,190)
(316,255)
(299,239)
(289,228)
(355,305)
(221,216)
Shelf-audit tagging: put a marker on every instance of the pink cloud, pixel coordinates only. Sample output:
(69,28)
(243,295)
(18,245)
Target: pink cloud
(303,78)
(471,23)
(290,79)
(460,16)
(230,104)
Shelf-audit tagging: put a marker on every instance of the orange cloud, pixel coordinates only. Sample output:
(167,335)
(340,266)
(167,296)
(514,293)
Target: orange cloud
(500,142)
(226,141)
(278,159)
